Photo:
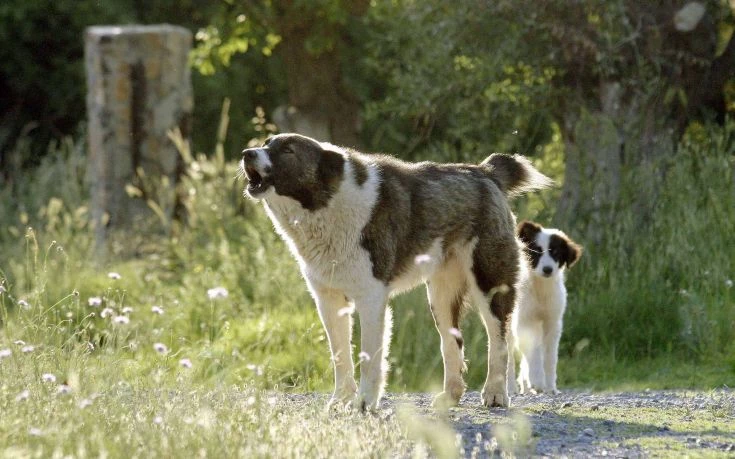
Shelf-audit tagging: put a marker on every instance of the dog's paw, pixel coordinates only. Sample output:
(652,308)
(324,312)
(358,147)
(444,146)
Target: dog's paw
(496,399)
(444,400)
(342,399)
(364,403)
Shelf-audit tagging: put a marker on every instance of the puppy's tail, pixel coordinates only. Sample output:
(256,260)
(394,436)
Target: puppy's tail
(514,174)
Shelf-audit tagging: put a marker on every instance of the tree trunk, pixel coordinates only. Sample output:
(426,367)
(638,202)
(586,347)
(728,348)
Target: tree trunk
(633,114)
(320,105)
(139,88)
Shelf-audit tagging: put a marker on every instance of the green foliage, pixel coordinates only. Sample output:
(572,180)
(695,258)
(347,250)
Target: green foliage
(42,73)
(639,293)
(447,94)
(662,282)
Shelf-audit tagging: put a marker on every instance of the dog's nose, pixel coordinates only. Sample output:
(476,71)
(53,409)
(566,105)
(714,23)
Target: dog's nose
(547,270)
(249,153)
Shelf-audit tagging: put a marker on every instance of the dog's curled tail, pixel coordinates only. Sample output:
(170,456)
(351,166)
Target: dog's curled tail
(514,174)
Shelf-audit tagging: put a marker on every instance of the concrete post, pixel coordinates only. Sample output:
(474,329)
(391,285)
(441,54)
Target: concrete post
(139,87)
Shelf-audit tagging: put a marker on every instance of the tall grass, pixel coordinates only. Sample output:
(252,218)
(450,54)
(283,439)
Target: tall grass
(661,283)
(659,290)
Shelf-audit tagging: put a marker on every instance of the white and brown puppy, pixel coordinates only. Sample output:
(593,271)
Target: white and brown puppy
(364,227)
(542,299)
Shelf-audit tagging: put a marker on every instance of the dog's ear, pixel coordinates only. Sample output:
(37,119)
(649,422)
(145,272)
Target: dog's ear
(574,251)
(330,168)
(527,231)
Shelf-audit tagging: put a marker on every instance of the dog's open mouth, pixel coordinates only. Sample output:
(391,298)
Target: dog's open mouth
(257,183)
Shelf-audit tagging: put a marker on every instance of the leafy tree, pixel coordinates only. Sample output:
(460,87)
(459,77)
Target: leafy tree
(42,81)
(310,39)
(621,79)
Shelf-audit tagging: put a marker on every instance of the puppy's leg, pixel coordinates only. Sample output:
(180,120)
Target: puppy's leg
(529,342)
(446,290)
(512,388)
(496,316)
(336,317)
(523,379)
(551,348)
(375,326)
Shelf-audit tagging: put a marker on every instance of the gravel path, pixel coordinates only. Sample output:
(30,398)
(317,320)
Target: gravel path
(582,424)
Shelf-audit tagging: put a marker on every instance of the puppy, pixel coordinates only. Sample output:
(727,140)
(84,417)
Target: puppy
(365,227)
(542,298)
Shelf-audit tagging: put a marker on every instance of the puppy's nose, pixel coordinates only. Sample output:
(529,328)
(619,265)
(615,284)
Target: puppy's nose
(249,153)
(547,270)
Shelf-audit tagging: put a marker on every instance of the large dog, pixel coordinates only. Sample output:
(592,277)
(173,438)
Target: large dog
(364,227)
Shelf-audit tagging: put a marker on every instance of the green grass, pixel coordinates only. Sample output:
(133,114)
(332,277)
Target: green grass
(634,321)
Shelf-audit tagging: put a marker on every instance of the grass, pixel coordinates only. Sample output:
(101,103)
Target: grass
(153,407)
(262,341)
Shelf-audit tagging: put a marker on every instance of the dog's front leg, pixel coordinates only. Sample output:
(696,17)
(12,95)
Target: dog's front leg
(375,329)
(336,315)
(551,347)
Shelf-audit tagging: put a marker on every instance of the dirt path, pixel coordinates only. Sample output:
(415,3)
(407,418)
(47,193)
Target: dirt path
(581,424)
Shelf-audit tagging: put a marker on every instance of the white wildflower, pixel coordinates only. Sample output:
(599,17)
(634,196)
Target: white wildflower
(94,301)
(84,403)
(363,356)
(23,396)
(19,342)
(127,310)
(157,310)
(121,320)
(24,304)
(63,389)
(258,370)
(160,348)
(5,353)
(728,283)
(27,349)
(35,432)
(186,363)
(48,377)
(346,311)
(157,420)
(455,332)
(107,312)
(422,259)
(114,275)
(217,292)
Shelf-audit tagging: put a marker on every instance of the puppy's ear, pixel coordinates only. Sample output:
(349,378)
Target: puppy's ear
(574,251)
(527,231)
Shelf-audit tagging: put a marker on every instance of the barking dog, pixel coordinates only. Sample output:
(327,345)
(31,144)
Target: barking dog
(364,227)
(542,298)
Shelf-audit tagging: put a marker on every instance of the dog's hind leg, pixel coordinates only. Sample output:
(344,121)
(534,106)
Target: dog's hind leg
(336,315)
(446,290)
(495,390)
(493,293)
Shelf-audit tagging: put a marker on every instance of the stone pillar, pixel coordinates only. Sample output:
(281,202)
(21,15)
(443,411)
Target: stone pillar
(138,88)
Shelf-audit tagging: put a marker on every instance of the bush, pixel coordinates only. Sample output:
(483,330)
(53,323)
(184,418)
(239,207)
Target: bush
(641,292)
(662,282)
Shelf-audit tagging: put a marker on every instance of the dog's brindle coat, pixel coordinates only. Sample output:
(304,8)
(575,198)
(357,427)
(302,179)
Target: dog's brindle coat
(364,227)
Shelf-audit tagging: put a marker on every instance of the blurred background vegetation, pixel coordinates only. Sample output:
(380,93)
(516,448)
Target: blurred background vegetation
(627,105)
